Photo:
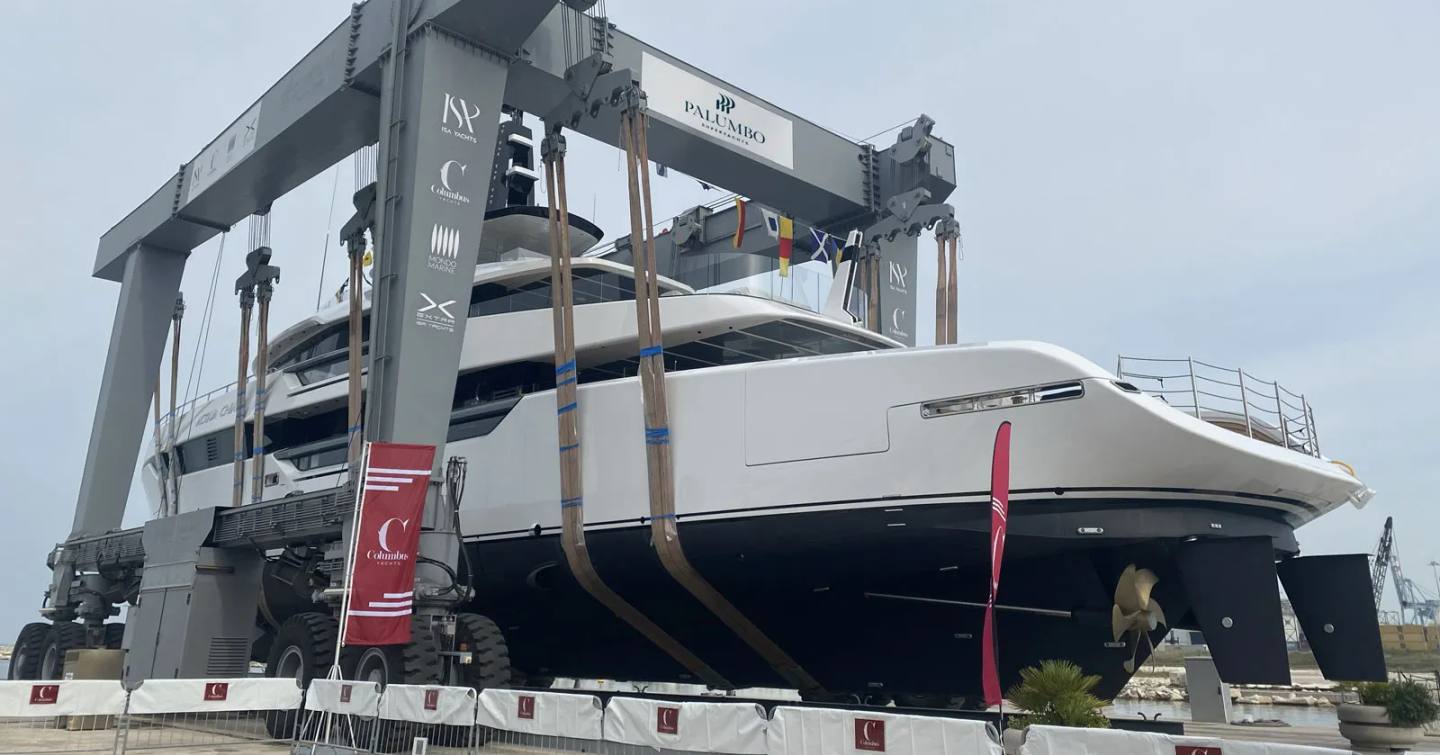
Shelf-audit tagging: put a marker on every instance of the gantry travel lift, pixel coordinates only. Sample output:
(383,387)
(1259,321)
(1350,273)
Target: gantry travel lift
(429,81)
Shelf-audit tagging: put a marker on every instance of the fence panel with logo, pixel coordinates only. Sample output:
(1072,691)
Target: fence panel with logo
(1056,740)
(827,731)
(340,715)
(59,716)
(192,713)
(687,726)
(443,717)
(543,721)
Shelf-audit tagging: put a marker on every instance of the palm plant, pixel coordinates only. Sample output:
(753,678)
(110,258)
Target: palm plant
(1057,693)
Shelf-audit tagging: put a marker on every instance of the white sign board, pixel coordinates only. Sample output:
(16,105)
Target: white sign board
(217,159)
(685,99)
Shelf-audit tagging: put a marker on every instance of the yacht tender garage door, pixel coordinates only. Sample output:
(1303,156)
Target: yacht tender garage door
(787,419)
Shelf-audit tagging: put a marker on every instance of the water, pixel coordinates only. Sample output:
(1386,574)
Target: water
(1295,715)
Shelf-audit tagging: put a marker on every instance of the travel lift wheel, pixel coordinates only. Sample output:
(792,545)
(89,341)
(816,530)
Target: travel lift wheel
(418,662)
(423,662)
(303,649)
(29,649)
(61,639)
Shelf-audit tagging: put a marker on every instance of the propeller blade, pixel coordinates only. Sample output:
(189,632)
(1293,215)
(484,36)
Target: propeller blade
(1145,581)
(1119,625)
(1157,616)
(1127,597)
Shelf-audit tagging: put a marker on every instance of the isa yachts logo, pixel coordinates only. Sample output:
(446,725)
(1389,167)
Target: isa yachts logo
(451,173)
(458,119)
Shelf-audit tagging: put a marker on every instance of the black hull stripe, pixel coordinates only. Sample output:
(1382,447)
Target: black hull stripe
(1299,506)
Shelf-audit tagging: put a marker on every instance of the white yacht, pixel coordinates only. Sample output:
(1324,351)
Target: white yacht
(831,483)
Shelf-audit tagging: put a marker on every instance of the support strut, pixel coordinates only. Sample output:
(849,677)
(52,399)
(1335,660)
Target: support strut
(572,500)
(664,531)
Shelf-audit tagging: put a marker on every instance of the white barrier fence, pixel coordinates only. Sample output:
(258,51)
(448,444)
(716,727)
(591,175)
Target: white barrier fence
(71,716)
(732,728)
(822,731)
(1054,740)
(359,717)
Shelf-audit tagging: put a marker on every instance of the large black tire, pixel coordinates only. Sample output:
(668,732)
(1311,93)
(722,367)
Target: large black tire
(419,662)
(303,649)
(61,639)
(114,636)
(489,664)
(28,651)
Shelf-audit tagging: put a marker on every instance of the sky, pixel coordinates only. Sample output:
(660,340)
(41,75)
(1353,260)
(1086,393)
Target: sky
(1253,184)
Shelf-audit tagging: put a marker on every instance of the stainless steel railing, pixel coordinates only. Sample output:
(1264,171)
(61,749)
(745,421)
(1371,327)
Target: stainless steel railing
(1227,397)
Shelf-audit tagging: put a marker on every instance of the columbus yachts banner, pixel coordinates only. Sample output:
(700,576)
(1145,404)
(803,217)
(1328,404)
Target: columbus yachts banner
(395,478)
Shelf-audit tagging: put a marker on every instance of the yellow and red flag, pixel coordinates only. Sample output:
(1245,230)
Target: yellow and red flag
(787,240)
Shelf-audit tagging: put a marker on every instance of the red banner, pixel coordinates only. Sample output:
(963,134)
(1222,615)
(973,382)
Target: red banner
(999,511)
(382,568)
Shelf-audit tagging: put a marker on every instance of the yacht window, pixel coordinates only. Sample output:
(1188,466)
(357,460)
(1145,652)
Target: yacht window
(326,349)
(591,287)
(761,343)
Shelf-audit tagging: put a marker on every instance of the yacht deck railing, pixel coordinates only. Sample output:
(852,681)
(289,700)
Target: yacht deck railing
(1228,397)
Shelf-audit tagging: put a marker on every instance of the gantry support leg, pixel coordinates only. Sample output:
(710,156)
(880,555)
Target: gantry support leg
(441,106)
(148,289)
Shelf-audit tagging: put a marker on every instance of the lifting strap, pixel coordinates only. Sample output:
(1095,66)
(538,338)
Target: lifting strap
(263,290)
(355,247)
(171,465)
(567,415)
(942,299)
(952,311)
(664,532)
(247,303)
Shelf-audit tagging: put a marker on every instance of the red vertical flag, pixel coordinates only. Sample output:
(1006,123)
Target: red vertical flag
(381,598)
(999,511)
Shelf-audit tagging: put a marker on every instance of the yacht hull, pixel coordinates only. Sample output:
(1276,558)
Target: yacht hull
(848,591)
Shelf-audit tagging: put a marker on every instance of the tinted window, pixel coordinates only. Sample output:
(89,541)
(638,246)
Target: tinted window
(591,287)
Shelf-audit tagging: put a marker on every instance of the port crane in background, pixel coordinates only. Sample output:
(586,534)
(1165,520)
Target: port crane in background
(1421,607)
